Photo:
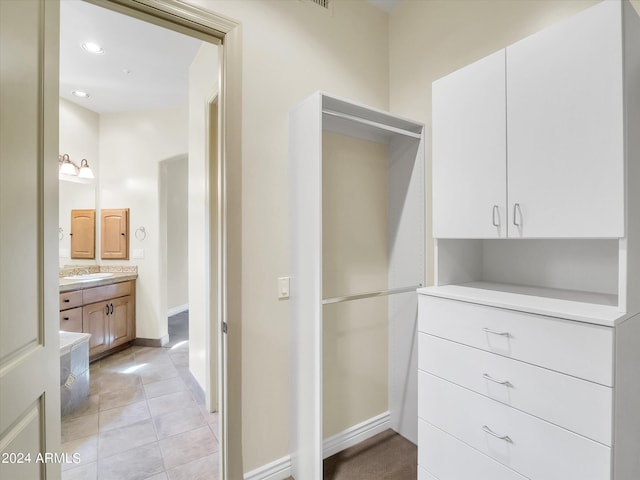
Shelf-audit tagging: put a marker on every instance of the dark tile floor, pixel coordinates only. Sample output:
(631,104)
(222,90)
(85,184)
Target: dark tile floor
(144,420)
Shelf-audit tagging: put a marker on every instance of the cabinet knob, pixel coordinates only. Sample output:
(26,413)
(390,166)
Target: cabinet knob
(122,234)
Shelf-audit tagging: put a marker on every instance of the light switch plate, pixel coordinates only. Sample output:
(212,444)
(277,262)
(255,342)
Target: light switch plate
(283,287)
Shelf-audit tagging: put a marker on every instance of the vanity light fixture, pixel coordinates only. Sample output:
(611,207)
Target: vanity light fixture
(80,94)
(67,167)
(93,48)
(85,171)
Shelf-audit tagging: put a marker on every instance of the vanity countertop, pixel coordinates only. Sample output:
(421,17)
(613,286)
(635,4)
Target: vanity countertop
(67,285)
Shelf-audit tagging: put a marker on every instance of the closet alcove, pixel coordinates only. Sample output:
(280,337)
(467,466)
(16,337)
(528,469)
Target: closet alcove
(357,247)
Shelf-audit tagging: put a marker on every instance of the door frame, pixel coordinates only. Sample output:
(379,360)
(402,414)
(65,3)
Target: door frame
(226,33)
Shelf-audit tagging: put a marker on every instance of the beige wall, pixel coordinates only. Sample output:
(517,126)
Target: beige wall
(429,39)
(177,232)
(131,146)
(355,259)
(290,49)
(203,84)
(78,136)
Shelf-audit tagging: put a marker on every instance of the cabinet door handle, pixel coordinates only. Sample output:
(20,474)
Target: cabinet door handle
(516,211)
(494,434)
(496,216)
(493,332)
(506,383)
(107,309)
(111,312)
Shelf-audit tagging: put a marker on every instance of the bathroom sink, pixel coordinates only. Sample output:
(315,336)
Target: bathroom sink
(89,276)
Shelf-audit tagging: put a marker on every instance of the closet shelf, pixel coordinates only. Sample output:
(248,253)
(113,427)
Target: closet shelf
(371,123)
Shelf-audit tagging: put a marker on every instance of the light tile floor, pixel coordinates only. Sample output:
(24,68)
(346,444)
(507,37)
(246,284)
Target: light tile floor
(144,420)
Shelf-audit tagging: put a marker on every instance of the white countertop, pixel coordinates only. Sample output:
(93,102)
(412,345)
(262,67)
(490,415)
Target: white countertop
(69,285)
(595,308)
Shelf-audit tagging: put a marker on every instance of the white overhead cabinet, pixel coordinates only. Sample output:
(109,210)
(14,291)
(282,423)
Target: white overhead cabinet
(528,342)
(565,117)
(469,156)
(528,142)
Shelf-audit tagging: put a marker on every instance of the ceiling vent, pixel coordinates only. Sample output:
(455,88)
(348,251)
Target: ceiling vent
(326,5)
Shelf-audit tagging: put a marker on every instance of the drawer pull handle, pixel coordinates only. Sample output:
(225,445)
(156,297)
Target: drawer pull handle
(65,318)
(494,434)
(502,334)
(506,383)
(66,300)
(496,216)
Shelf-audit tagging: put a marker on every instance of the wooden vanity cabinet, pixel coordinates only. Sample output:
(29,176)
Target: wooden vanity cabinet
(71,311)
(95,321)
(106,312)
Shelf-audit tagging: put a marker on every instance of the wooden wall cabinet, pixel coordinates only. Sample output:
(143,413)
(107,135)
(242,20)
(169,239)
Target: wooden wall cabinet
(83,233)
(106,312)
(114,234)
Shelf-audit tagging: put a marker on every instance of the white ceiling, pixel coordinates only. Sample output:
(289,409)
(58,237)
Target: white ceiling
(158,60)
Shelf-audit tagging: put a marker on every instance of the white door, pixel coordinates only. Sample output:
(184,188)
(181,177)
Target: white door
(29,344)
(469,151)
(565,128)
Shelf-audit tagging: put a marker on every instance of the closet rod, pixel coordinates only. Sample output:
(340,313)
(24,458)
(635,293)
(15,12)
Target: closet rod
(379,293)
(371,123)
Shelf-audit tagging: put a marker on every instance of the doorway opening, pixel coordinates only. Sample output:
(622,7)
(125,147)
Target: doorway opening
(210,253)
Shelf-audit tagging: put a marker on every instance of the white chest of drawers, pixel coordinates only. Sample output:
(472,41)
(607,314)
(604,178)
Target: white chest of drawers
(509,394)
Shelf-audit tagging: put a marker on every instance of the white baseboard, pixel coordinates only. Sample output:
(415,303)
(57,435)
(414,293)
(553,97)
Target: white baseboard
(356,434)
(281,468)
(178,309)
(277,470)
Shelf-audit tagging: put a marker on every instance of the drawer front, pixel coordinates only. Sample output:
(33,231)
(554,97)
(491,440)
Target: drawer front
(578,349)
(446,458)
(537,449)
(70,299)
(578,405)
(114,290)
(71,320)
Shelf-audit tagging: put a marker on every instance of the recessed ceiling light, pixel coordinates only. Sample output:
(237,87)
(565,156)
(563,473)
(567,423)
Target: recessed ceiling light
(93,48)
(80,93)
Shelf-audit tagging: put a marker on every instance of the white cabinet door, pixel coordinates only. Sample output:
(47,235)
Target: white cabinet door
(565,128)
(469,151)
